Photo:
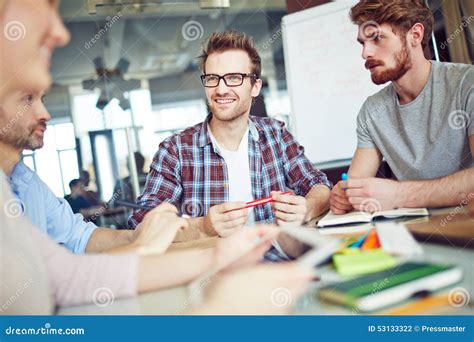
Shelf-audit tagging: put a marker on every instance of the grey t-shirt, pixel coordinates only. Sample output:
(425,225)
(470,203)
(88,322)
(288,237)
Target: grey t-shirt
(428,137)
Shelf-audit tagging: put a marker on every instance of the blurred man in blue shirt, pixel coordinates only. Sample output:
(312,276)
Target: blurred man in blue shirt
(51,214)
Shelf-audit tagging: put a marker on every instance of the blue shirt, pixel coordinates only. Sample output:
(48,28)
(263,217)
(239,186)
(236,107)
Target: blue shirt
(49,213)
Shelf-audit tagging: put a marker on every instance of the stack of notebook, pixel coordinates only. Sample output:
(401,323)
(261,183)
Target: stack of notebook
(395,285)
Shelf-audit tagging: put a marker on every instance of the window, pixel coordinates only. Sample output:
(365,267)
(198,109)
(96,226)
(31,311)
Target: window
(174,117)
(56,163)
(149,125)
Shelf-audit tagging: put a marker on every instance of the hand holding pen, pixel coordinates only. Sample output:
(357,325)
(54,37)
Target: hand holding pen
(339,201)
(288,207)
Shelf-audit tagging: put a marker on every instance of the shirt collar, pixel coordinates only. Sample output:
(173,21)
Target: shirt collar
(205,138)
(253,127)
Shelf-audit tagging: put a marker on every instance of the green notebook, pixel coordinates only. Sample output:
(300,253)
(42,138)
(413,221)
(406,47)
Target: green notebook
(395,285)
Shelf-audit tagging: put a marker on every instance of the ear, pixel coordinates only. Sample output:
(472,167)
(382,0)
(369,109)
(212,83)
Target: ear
(256,88)
(416,34)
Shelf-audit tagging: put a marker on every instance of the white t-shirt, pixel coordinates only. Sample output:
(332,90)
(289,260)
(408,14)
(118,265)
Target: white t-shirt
(238,172)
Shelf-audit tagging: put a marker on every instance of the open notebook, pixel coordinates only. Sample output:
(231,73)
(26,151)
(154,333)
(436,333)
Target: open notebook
(360,216)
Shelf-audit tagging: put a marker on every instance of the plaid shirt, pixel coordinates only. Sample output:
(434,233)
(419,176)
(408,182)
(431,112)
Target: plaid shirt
(189,172)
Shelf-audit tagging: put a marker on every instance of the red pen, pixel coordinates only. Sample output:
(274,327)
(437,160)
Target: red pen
(262,201)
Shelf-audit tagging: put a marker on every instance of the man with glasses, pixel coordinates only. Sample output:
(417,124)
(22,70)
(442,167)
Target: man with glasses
(211,170)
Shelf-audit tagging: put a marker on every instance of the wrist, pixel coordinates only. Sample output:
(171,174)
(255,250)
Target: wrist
(310,209)
(315,207)
(401,195)
(205,227)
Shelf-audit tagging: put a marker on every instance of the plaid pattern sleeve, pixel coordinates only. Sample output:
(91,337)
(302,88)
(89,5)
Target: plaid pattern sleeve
(163,182)
(274,255)
(301,175)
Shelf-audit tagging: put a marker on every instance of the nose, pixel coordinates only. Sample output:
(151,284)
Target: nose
(59,34)
(222,87)
(367,51)
(43,114)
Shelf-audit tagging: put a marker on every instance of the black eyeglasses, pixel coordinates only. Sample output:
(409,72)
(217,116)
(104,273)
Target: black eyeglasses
(231,80)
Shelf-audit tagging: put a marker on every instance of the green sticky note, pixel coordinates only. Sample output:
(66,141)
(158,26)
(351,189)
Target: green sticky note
(350,251)
(363,263)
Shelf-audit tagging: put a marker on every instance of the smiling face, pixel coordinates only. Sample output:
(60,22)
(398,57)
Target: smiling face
(31,30)
(23,120)
(230,103)
(387,55)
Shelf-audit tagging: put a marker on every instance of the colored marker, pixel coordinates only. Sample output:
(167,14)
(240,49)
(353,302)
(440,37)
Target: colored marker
(359,242)
(372,241)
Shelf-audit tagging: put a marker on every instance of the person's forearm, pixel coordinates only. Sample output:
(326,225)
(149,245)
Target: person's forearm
(365,163)
(317,201)
(110,240)
(447,191)
(173,269)
(197,230)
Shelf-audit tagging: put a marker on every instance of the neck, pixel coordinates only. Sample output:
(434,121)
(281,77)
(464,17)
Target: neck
(229,133)
(412,83)
(9,157)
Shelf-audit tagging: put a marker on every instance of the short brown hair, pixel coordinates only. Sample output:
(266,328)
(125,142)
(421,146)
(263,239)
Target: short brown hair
(231,40)
(400,14)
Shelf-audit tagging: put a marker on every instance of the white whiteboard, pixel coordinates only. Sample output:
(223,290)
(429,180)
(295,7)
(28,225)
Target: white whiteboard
(327,80)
